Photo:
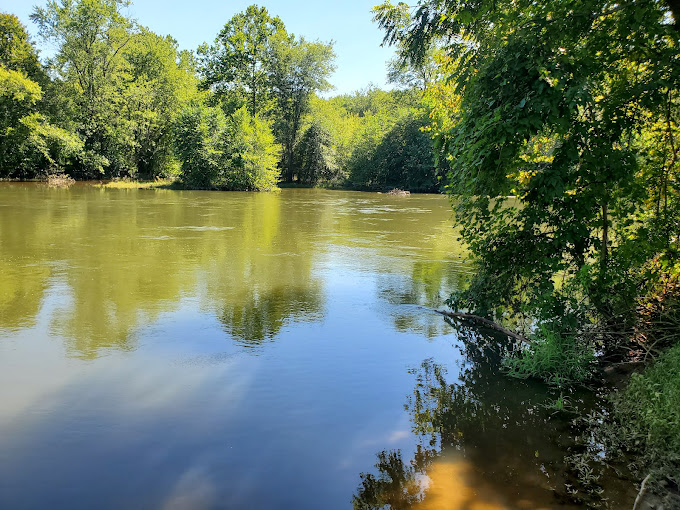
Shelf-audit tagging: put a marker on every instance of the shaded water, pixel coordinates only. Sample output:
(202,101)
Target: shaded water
(166,349)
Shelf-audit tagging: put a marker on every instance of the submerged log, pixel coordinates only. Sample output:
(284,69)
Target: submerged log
(486,322)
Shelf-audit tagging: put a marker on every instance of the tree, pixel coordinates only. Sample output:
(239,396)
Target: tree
(403,158)
(126,83)
(253,153)
(18,96)
(300,68)
(198,135)
(16,51)
(220,152)
(28,142)
(315,158)
(409,75)
(557,101)
(157,82)
(237,66)
(90,37)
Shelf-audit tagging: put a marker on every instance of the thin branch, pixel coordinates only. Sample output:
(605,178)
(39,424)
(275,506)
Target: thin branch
(642,491)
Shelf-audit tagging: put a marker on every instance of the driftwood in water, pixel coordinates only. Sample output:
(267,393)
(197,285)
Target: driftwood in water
(398,192)
(60,180)
(486,322)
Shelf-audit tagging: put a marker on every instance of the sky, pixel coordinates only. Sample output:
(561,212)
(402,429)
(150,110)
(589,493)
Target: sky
(360,60)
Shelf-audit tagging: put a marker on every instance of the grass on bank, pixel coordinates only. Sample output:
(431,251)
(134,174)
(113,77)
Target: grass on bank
(648,417)
(129,184)
(554,358)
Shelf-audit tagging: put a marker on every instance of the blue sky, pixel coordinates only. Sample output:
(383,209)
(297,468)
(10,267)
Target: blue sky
(360,59)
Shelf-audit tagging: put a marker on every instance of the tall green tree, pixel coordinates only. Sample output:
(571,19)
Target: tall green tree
(236,152)
(89,36)
(16,51)
(402,158)
(315,158)
(237,66)
(125,83)
(300,68)
(29,143)
(156,83)
(558,101)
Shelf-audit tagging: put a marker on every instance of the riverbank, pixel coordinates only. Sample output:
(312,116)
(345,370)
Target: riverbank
(169,183)
(641,428)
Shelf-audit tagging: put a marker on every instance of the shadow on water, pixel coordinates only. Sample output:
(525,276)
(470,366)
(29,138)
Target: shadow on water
(485,441)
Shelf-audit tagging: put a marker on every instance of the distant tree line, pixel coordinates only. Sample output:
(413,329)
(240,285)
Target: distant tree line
(243,113)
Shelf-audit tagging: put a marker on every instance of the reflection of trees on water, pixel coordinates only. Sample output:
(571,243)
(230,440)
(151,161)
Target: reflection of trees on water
(429,284)
(99,264)
(112,261)
(397,484)
(20,296)
(256,318)
(489,438)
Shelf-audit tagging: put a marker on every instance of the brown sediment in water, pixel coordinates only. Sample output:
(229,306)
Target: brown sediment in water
(455,483)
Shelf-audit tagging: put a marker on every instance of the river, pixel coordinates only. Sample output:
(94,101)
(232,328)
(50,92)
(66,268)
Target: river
(203,350)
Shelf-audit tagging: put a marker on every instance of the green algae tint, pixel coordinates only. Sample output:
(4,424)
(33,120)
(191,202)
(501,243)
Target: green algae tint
(203,350)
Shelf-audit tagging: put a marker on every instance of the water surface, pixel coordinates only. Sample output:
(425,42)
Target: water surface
(203,350)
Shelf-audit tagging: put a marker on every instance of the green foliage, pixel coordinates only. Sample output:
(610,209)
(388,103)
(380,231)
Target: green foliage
(51,148)
(238,66)
(300,69)
(124,84)
(28,143)
(409,75)
(216,152)
(158,81)
(402,158)
(332,115)
(253,153)
(641,427)
(18,96)
(315,158)
(255,62)
(648,412)
(89,37)
(198,138)
(554,358)
(560,126)
(371,139)
(16,51)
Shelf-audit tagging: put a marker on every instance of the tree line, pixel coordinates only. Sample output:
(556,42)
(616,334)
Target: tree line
(242,113)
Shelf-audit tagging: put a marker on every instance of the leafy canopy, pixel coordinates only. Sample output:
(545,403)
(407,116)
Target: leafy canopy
(549,142)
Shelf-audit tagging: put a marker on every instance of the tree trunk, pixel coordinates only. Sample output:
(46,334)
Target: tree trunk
(486,322)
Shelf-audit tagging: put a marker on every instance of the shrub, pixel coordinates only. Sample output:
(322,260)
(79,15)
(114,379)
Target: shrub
(558,359)
(216,152)
(648,412)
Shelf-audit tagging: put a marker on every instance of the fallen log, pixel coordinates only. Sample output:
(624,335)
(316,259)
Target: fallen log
(486,322)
